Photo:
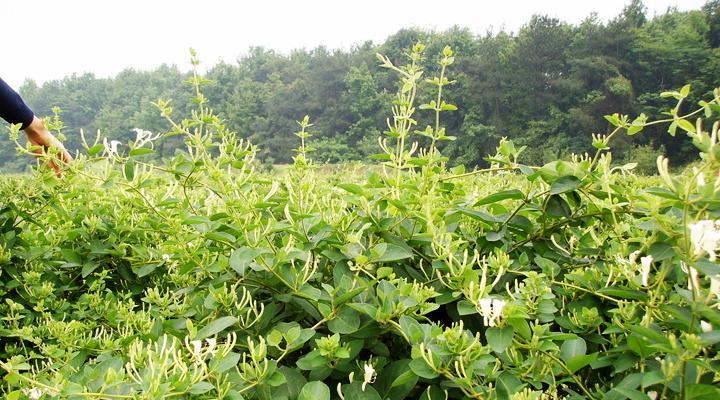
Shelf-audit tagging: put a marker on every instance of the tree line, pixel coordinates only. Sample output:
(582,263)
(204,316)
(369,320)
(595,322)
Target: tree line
(546,86)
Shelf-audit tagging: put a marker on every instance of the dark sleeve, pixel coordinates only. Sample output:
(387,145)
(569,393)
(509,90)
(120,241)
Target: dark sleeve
(12,107)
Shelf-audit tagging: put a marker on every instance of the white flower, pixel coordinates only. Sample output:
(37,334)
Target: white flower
(705,326)
(166,257)
(715,286)
(652,395)
(211,344)
(196,348)
(33,393)
(368,375)
(111,147)
(491,310)
(645,264)
(705,238)
(633,256)
(663,170)
(142,137)
(693,281)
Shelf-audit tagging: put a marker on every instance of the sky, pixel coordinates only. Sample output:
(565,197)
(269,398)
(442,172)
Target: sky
(50,39)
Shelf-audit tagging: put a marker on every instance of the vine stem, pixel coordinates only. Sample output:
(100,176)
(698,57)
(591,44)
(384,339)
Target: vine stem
(572,375)
(479,171)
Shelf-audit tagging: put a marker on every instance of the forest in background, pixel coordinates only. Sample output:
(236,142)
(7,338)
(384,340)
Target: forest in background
(546,86)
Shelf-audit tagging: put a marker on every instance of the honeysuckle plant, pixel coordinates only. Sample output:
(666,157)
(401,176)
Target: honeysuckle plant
(200,277)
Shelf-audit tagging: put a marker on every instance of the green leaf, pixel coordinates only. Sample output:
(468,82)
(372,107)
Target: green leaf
(631,394)
(420,368)
(661,251)
(565,184)
(558,207)
(465,307)
(95,149)
(499,196)
(88,268)
(614,119)
(352,188)
(572,348)
(662,192)
(311,361)
(201,387)
(499,339)
(396,380)
(354,391)
(707,267)
(215,327)
(241,257)
(141,151)
(294,382)
(685,91)
(433,393)
(129,169)
(387,252)
(652,378)
(412,329)
(507,384)
(614,291)
(579,362)
(480,215)
(695,391)
(686,125)
(71,256)
(314,390)
(710,338)
(195,220)
(640,346)
(224,363)
(345,322)
(276,379)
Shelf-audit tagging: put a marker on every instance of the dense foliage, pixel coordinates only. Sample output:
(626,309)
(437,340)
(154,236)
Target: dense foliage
(201,278)
(545,86)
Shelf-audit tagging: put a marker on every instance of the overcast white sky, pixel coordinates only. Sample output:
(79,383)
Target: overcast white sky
(49,39)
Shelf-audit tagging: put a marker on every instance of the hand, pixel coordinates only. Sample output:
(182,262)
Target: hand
(38,135)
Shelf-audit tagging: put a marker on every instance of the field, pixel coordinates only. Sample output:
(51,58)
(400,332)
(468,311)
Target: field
(200,277)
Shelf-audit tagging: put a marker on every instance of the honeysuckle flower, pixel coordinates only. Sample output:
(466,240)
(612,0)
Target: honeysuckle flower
(368,375)
(663,170)
(111,147)
(491,310)
(693,281)
(715,286)
(196,348)
(645,263)
(705,326)
(211,346)
(142,137)
(633,256)
(652,395)
(705,238)
(166,257)
(338,389)
(33,393)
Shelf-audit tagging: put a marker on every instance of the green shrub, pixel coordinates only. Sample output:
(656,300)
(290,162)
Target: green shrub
(202,278)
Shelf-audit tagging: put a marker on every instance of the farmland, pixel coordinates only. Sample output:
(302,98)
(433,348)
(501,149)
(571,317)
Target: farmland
(200,276)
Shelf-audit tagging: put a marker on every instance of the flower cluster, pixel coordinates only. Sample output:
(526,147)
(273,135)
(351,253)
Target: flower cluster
(705,238)
(142,137)
(491,310)
(111,147)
